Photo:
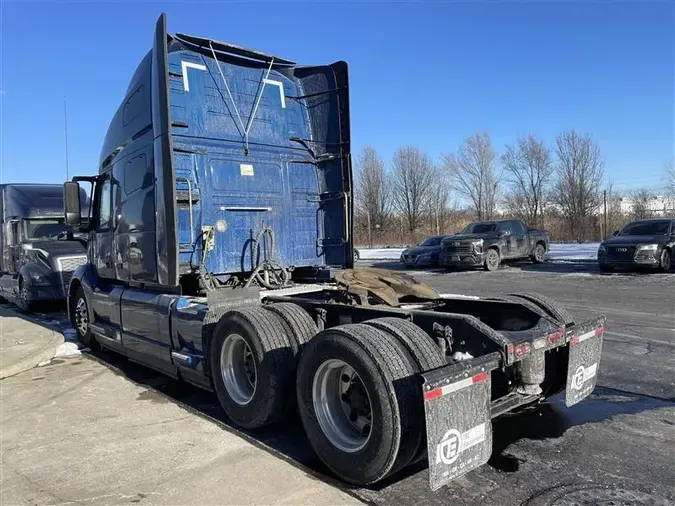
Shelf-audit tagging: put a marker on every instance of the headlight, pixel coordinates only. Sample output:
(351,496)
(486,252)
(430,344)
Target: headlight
(647,248)
(477,245)
(602,249)
(39,279)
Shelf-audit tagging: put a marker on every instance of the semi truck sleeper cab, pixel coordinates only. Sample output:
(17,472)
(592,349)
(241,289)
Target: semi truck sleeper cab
(220,252)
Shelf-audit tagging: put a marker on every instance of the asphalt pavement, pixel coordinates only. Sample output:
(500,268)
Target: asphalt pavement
(617,447)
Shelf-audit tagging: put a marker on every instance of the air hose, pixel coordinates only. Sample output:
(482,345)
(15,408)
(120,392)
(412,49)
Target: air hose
(269,273)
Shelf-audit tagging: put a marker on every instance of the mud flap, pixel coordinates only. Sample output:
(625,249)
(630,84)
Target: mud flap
(458,422)
(584,361)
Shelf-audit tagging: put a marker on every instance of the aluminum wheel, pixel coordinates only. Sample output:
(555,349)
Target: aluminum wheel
(492,260)
(237,366)
(342,405)
(539,253)
(23,295)
(81,317)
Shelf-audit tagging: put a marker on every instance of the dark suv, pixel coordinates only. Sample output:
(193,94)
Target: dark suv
(643,243)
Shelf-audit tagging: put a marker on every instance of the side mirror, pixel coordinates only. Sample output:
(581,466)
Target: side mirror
(71,204)
(616,232)
(504,233)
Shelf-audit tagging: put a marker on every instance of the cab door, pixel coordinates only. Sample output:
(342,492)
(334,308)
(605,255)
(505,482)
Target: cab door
(511,244)
(522,239)
(106,293)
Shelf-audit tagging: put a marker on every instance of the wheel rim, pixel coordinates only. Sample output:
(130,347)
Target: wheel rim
(492,259)
(539,253)
(342,405)
(81,316)
(23,295)
(238,368)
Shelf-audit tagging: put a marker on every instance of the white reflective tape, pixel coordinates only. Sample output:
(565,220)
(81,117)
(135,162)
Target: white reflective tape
(447,389)
(184,65)
(279,85)
(585,336)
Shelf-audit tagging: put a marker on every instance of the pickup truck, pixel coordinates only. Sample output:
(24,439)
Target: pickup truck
(489,243)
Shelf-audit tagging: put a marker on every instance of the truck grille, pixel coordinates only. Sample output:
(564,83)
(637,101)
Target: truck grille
(456,247)
(620,252)
(67,266)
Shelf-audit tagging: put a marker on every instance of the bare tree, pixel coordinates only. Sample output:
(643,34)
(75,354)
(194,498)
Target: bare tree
(669,177)
(528,167)
(439,202)
(616,218)
(413,176)
(473,174)
(373,197)
(640,208)
(576,191)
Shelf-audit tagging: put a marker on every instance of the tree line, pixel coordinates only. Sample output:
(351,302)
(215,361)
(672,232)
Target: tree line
(561,187)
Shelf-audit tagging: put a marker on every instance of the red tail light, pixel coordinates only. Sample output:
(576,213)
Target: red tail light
(522,349)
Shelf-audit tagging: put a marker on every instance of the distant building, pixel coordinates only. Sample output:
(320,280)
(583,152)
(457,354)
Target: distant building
(658,205)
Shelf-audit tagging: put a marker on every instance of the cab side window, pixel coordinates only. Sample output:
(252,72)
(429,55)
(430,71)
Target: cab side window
(507,226)
(518,228)
(103,211)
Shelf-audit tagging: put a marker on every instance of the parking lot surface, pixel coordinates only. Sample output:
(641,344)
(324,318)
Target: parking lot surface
(617,447)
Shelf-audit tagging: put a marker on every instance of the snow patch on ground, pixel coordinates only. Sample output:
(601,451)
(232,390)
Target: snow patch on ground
(68,349)
(574,251)
(559,252)
(380,253)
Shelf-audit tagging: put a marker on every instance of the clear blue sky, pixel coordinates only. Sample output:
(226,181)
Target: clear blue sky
(426,74)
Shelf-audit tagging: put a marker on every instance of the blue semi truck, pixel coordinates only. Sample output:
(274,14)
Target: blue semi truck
(220,253)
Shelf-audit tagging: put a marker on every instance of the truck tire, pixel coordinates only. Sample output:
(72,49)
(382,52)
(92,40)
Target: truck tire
(492,259)
(360,369)
(252,366)
(425,352)
(552,308)
(23,298)
(523,302)
(420,345)
(539,254)
(666,263)
(79,319)
(301,327)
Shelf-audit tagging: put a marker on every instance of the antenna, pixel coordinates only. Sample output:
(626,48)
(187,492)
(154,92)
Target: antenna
(65,129)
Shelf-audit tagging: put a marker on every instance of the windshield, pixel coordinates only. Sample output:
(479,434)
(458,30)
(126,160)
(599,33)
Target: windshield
(39,230)
(480,228)
(646,228)
(431,241)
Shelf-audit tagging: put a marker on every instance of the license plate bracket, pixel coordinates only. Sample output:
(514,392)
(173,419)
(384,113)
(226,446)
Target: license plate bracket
(584,362)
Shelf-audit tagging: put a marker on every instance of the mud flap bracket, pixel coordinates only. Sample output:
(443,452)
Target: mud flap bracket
(458,418)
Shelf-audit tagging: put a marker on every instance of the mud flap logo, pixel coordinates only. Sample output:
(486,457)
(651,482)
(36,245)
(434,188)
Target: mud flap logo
(454,443)
(448,449)
(582,375)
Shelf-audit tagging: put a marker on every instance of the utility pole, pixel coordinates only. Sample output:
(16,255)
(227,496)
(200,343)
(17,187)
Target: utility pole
(604,193)
(65,131)
(370,231)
